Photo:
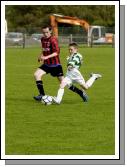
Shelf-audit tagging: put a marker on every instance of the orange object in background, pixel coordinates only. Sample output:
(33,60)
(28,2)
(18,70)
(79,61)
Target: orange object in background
(55,19)
(109,37)
(96,31)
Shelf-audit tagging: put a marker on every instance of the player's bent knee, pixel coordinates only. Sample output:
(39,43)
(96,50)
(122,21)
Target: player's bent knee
(85,86)
(35,75)
(38,74)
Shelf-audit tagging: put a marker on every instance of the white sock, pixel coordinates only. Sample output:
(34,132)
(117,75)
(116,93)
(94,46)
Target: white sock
(60,95)
(90,82)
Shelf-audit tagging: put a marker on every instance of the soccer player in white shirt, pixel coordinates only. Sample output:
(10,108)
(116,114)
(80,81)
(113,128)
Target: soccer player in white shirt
(73,74)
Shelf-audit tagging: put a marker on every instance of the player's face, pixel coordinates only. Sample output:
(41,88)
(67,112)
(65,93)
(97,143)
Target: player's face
(46,32)
(72,49)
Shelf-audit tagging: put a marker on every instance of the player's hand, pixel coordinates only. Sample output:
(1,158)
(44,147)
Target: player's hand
(67,57)
(70,68)
(40,59)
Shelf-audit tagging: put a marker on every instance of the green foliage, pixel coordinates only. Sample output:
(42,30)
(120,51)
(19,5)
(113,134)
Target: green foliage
(28,16)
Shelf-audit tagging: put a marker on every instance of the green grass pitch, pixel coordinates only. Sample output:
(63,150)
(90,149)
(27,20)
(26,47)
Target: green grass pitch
(71,128)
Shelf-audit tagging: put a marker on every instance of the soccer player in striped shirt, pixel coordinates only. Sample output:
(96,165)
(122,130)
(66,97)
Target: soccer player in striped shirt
(73,74)
(50,60)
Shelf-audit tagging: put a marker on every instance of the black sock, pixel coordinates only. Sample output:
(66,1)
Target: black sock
(40,87)
(76,90)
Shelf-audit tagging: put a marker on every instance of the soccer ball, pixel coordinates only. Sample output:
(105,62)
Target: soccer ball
(47,100)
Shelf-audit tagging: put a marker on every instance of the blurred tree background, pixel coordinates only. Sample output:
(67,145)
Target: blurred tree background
(30,17)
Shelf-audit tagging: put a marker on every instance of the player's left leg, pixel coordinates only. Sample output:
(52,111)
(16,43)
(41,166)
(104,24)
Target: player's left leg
(60,93)
(38,78)
(58,72)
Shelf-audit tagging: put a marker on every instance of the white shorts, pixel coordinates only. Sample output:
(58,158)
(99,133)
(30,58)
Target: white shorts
(74,76)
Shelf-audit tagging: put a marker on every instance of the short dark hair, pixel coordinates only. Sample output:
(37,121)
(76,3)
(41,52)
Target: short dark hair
(74,44)
(47,26)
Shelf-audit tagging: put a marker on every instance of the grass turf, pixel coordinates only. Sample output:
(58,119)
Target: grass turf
(71,128)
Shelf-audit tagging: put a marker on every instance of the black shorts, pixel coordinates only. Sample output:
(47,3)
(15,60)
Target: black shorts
(56,71)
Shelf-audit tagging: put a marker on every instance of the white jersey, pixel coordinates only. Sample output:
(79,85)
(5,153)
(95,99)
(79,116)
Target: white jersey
(75,60)
(74,75)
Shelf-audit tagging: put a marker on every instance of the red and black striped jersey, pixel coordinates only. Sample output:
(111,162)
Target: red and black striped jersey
(49,46)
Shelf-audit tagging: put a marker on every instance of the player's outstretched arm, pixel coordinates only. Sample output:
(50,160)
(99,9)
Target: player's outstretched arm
(49,56)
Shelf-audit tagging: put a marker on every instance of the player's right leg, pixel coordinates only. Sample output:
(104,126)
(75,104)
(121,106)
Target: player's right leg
(91,80)
(38,78)
(80,92)
(86,85)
